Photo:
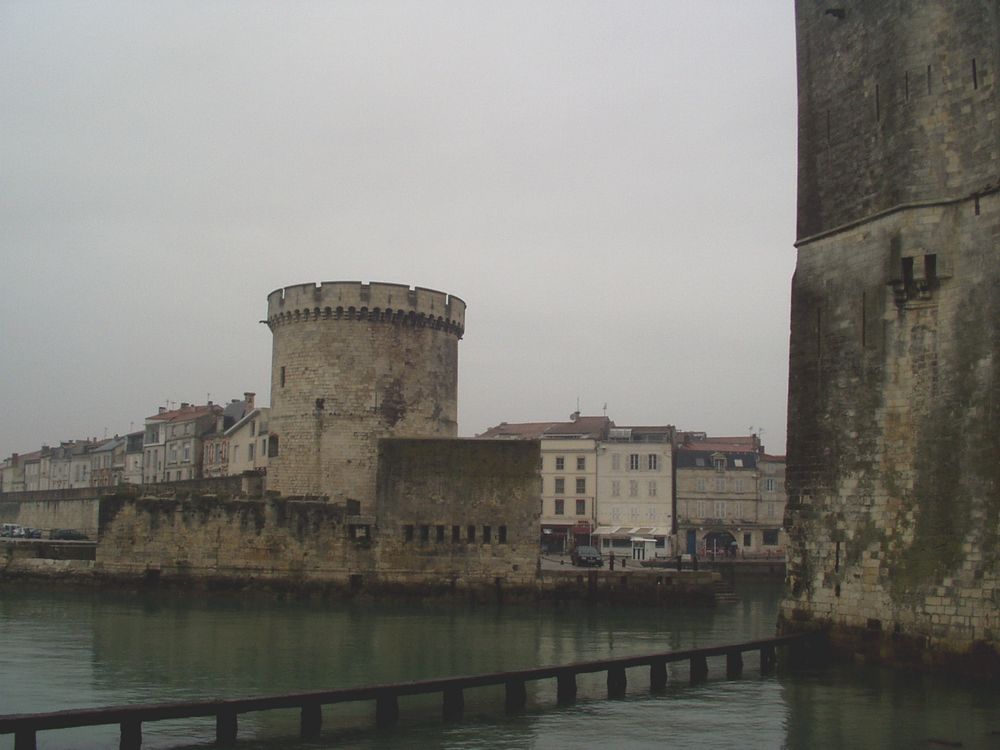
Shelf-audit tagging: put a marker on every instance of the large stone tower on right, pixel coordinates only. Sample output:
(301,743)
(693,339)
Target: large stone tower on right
(894,382)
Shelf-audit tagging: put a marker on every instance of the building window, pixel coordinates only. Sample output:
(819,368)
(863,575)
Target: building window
(747,539)
(633,514)
(236,453)
(769,485)
(470,534)
(633,488)
(652,489)
(581,507)
(699,485)
(616,514)
(581,463)
(560,506)
(253,426)
(187,452)
(456,534)
(487,534)
(560,463)
(737,509)
(652,461)
(425,532)
(616,488)
(408,532)
(770,510)
(720,485)
(770,537)
(272,446)
(720,508)
(616,461)
(740,485)
(633,461)
(719,464)
(281,377)
(439,533)
(502,534)
(560,486)
(250,448)
(581,485)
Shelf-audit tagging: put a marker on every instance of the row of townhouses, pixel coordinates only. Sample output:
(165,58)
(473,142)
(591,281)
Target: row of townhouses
(190,442)
(639,492)
(652,491)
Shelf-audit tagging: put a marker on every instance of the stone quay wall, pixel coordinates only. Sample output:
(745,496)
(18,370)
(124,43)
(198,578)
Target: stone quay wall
(353,363)
(894,388)
(79,508)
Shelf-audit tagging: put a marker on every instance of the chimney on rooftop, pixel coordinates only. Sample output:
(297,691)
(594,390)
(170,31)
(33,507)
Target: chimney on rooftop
(185,404)
(574,416)
(161,410)
(248,396)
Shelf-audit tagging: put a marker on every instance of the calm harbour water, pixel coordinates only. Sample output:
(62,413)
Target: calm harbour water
(80,649)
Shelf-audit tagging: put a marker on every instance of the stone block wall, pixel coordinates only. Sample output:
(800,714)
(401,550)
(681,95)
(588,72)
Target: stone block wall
(897,105)
(458,512)
(894,390)
(47,514)
(239,540)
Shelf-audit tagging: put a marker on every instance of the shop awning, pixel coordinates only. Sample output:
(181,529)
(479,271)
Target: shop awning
(631,531)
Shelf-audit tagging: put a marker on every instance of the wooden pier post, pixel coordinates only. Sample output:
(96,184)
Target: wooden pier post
(617,683)
(25,740)
(225,728)
(131,735)
(312,721)
(767,660)
(566,688)
(515,696)
(658,676)
(734,664)
(386,710)
(453,705)
(699,669)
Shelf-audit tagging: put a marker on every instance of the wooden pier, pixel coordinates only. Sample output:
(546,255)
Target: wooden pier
(130,718)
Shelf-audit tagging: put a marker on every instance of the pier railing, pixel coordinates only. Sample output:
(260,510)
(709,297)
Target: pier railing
(130,718)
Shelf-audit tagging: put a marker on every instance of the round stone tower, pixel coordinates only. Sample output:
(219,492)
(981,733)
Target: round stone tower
(352,363)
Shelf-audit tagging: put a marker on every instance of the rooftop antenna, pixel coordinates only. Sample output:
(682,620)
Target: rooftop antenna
(605,408)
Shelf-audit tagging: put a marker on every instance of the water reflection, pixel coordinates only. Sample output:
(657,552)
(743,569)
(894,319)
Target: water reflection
(66,650)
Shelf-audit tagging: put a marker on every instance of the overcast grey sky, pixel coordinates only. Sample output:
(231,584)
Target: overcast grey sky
(610,186)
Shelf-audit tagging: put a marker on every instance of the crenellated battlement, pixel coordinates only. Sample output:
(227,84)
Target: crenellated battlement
(354,300)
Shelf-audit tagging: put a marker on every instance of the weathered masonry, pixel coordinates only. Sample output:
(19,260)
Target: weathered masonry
(352,363)
(894,388)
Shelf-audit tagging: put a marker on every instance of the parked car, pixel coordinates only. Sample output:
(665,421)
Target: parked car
(587,557)
(68,535)
(12,530)
(32,533)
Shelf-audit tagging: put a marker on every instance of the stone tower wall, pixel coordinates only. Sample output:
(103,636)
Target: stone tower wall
(894,387)
(352,363)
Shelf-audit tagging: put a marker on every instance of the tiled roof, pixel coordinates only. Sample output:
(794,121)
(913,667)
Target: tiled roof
(185,413)
(595,427)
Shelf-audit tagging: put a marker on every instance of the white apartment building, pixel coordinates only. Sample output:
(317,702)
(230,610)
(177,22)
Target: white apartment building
(635,510)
